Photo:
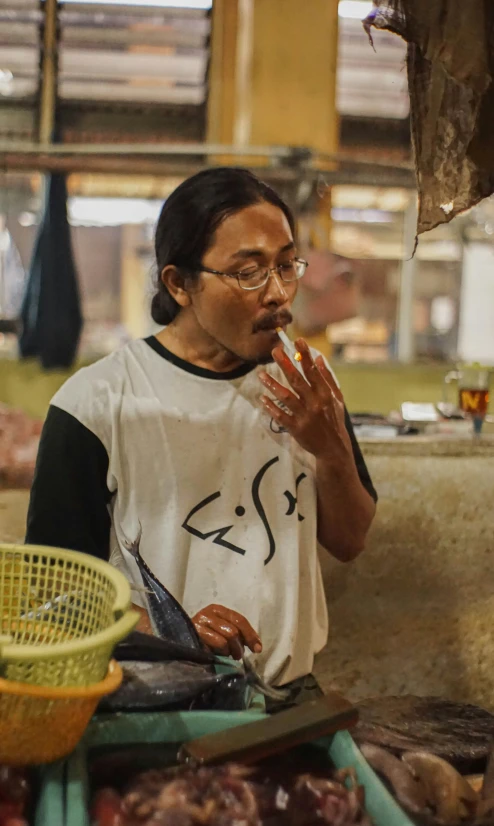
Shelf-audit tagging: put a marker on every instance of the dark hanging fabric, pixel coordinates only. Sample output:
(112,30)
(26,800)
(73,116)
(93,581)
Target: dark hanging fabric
(51,313)
(450,64)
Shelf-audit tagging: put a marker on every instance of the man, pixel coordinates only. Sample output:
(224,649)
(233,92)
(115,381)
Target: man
(207,436)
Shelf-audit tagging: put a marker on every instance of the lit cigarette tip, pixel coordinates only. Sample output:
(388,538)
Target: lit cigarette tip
(298,356)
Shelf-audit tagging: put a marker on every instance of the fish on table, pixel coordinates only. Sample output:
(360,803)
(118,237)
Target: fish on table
(431,790)
(175,667)
(158,685)
(169,619)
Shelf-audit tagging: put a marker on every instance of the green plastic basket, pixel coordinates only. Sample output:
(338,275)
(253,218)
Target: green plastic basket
(65,792)
(61,615)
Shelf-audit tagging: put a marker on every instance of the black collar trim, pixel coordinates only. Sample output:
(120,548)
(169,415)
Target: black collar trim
(162,351)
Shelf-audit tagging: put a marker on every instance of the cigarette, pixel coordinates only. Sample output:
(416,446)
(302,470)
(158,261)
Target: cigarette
(291,351)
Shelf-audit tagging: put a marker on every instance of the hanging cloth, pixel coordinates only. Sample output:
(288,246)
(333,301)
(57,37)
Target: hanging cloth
(51,313)
(450,63)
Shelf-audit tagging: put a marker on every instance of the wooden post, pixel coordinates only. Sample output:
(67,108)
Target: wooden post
(222,72)
(294,74)
(405,331)
(48,95)
(273,81)
(134,299)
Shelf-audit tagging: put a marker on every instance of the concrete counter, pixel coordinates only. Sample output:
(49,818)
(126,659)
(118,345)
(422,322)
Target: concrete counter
(415,614)
(430,446)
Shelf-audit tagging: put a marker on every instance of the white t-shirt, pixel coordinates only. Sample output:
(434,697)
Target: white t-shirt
(227,502)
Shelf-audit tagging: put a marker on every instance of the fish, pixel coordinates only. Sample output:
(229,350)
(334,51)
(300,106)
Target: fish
(488,784)
(448,793)
(231,694)
(161,685)
(160,673)
(62,604)
(132,788)
(256,682)
(148,648)
(486,805)
(177,638)
(167,615)
(398,775)
(169,681)
(66,610)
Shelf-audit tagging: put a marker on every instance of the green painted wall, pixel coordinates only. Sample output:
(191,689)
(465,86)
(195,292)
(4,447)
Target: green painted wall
(382,388)
(25,385)
(376,388)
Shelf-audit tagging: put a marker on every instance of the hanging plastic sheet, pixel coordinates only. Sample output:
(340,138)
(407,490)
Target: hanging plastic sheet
(450,65)
(51,312)
(12,281)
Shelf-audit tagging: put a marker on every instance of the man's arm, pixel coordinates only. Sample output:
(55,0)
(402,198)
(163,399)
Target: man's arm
(69,497)
(346,499)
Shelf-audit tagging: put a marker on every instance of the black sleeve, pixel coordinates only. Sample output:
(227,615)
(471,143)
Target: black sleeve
(69,496)
(359,459)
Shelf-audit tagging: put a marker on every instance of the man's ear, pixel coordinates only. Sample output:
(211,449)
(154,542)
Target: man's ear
(174,281)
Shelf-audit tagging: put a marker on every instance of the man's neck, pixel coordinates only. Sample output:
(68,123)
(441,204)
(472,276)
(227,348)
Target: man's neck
(193,345)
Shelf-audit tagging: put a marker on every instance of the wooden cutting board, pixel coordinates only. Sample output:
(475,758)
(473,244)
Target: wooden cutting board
(264,738)
(460,733)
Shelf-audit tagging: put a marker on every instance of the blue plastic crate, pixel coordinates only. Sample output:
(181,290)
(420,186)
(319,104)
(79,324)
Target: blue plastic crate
(65,790)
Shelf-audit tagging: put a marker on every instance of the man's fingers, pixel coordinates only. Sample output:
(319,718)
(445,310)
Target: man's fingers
(221,636)
(310,368)
(328,377)
(226,632)
(231,634)
(292,375)
(248,636)
(285,420)
(281,393)
(213,641)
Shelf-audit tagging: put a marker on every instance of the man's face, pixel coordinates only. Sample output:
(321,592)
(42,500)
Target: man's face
(244,322)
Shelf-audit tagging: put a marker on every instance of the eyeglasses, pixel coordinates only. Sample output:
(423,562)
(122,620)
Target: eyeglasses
(253,278)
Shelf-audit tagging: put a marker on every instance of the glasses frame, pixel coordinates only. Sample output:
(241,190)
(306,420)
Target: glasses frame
(268,273)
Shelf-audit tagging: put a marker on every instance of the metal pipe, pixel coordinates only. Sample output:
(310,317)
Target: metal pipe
(242,124)
(273,152)
(123,165)
(131,163)
(74,149)
(48,96)
(406,337)
(129,158)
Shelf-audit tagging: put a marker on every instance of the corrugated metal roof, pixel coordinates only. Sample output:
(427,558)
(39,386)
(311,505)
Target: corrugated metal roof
(371,83)
(19,48)
(114,58)
(133,54)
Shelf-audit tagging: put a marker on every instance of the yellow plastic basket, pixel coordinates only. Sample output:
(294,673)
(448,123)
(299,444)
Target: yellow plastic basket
(39,724)
(61,615)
